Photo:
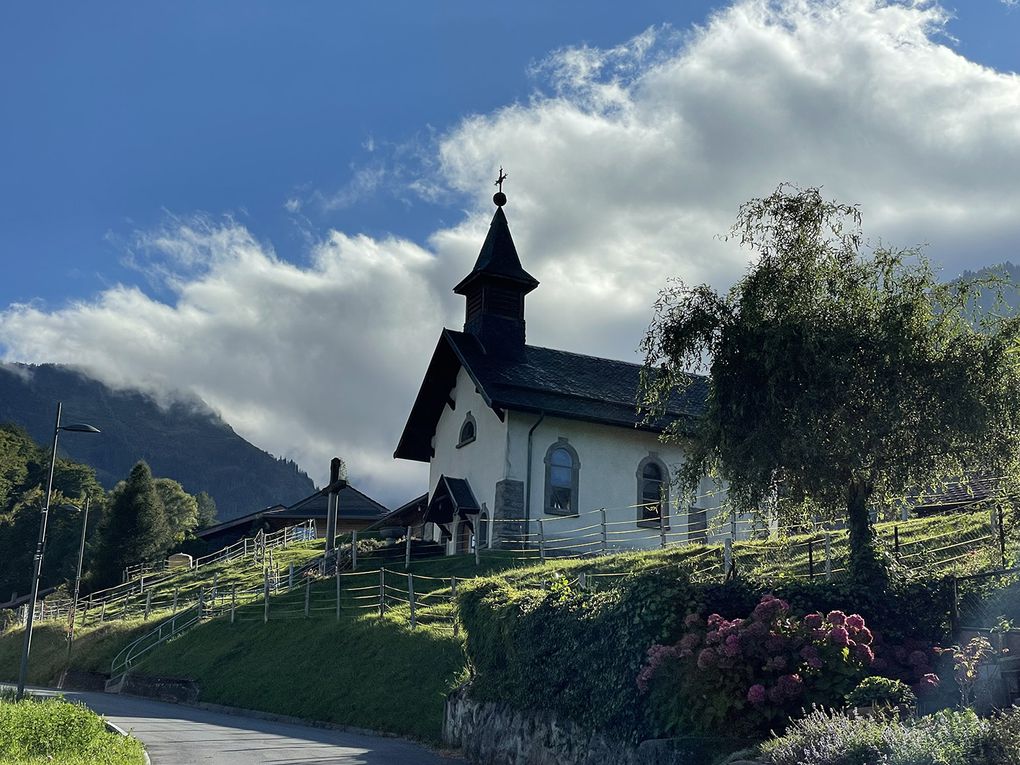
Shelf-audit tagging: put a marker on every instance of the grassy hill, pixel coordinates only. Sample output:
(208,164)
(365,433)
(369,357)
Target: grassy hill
(374,670)
(185,441)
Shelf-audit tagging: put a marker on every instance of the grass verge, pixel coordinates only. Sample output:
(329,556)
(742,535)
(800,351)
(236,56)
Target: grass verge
(59,732)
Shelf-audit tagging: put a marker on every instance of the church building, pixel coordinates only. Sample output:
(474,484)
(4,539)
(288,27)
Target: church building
(524,441)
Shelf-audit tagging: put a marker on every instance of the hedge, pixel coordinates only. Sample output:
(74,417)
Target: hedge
(578,653)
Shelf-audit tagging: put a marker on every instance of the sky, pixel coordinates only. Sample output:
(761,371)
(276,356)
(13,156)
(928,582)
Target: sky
(267,204)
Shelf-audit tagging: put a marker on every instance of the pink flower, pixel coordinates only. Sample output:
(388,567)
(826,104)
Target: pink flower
(836,617)
(864,636)
(814,621)
(928,683)
(839,636)
(917,658)
(715,620)
(863,653)
(756,694)
(855,622)
(732,646)
(692,620)
(706,658)
(790,685)
(688,641)
(775,644)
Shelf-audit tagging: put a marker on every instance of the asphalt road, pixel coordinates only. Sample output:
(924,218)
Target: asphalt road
(181,735)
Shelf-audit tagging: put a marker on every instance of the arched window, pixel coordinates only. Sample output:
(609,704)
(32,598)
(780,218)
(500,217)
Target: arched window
(561,473)
(467,431)
(652,492)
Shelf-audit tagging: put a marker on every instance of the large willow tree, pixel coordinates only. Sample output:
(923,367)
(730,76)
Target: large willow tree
(838,379)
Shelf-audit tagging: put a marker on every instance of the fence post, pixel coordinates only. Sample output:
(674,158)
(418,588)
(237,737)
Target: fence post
(541,539)
(727,557)
(338,588)
(233,602)
(410,595)
(290,577)
(148,605)
(176,590)
(201,602)
(453,599)
(662,526)
(605,532)
(215,585)
(308,594)
(382,591)
(474,539)
(582,581)
(811,558)
(102,614)
(896,541)
(828,556)
(407,549)
(954,613)
(1002,537)
(354,550)
(265,596)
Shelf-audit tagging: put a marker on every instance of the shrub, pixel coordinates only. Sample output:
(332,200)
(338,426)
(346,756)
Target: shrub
(571,652)
(745,675)
(881,691)
(839,738)
(1003,745)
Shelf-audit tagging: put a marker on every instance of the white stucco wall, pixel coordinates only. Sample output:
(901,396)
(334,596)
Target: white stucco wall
(481,462)
(609,459)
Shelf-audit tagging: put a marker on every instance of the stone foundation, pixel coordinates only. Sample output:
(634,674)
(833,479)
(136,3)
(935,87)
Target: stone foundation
(162,688)
(493,734)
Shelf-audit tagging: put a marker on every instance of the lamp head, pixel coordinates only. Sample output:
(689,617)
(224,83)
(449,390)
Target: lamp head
(80,427)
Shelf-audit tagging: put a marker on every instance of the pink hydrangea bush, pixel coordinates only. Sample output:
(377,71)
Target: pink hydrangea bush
(742,676)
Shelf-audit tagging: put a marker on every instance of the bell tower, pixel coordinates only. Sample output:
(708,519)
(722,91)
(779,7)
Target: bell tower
(494,290)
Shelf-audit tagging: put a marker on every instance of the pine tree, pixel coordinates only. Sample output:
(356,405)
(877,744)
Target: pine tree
(135,528)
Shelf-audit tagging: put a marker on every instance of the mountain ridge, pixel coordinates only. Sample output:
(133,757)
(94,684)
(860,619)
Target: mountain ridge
(183,438)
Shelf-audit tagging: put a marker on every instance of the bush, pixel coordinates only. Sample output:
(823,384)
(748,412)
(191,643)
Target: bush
(747,675)
(557,650)
(945,738)
(881,691)
(574,653)
(53,729)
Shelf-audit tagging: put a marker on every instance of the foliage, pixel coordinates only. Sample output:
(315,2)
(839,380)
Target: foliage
(881,691)
(749,675)
(24,469)
(945,738)
(206,510)
(180,510)
(836,378)
(966,665)
(135,528)
(559,650)
(54,730)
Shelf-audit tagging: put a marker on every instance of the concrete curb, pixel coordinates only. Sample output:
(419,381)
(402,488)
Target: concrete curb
(113,728)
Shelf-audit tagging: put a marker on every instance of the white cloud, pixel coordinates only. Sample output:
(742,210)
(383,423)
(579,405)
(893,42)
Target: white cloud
(623,173)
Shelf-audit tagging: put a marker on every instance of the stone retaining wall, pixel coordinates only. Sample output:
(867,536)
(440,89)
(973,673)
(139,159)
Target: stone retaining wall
(493,734)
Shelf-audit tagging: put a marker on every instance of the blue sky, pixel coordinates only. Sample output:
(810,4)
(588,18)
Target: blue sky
(120,112)
(266,204)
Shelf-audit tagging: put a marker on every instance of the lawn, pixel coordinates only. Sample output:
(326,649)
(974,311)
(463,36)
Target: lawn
(59,732)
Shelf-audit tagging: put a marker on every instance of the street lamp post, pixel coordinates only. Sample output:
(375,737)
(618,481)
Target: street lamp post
(41,546)
(77,579)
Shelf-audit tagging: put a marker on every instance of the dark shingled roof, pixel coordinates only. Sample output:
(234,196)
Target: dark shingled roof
(558,383)
(351,504)
(498,257)
(452,495)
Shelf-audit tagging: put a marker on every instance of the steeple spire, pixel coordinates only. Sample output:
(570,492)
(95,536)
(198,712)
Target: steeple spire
(496,286)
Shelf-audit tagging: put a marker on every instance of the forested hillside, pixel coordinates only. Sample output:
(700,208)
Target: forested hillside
(185,441)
